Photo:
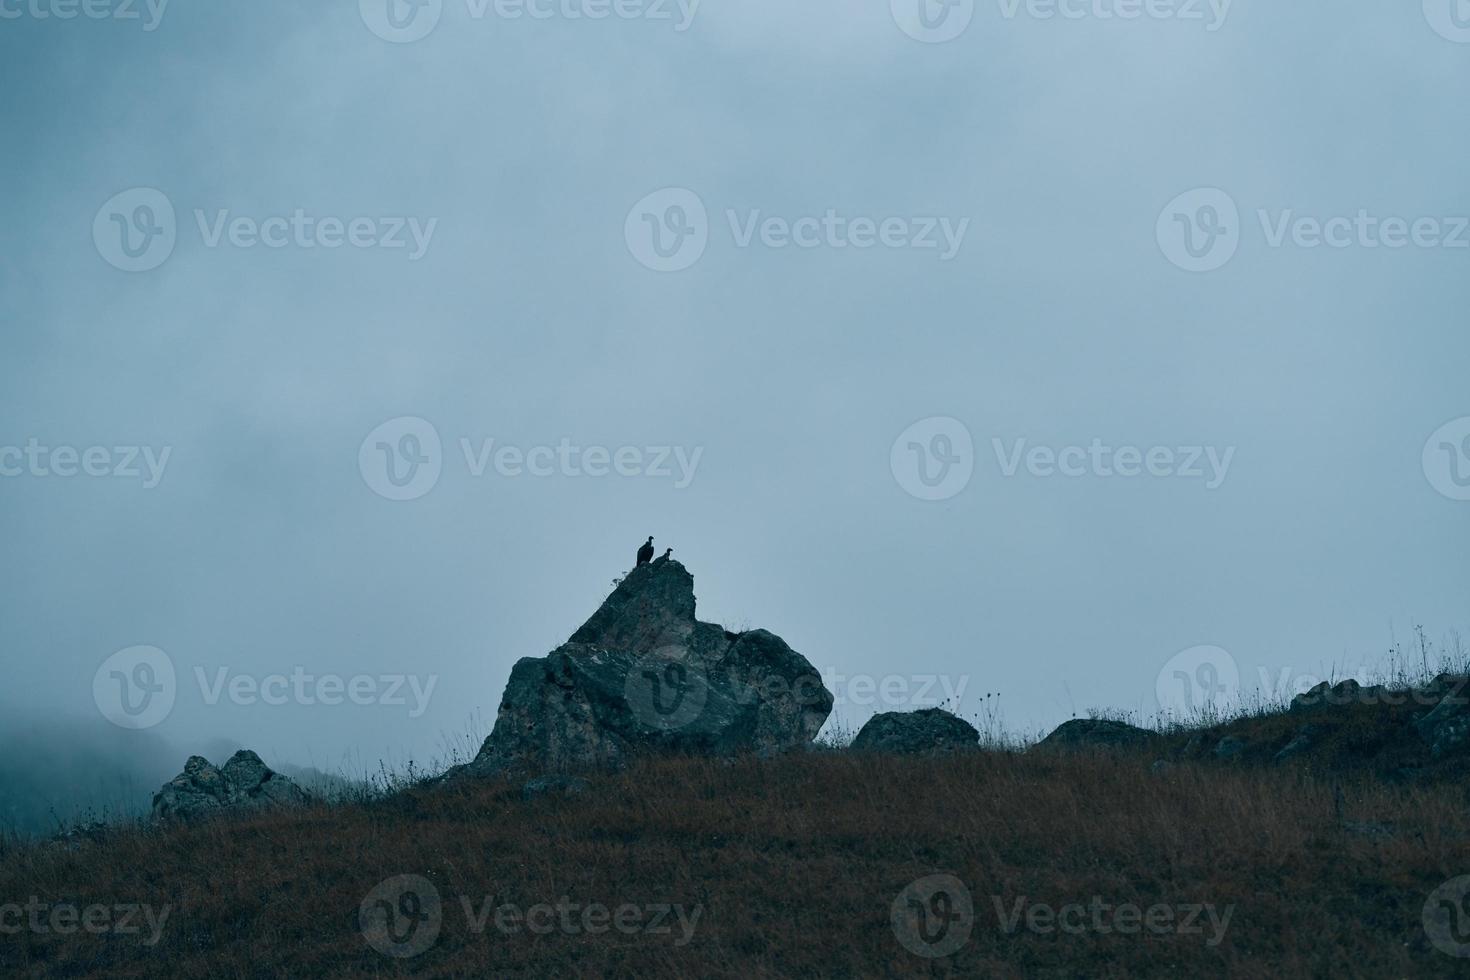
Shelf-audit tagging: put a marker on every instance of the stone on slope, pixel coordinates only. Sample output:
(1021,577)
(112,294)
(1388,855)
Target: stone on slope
(1446,727)
(1095,732)
(244,782)
(1340,695)
(925,731)
(1230,747)
(1304,741)
(643,674)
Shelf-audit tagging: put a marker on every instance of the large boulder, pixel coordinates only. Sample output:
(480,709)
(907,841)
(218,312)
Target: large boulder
(645,675)
(243,783)
(931,730)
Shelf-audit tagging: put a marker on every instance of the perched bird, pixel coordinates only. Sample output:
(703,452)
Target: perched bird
(645,553)
(665,555)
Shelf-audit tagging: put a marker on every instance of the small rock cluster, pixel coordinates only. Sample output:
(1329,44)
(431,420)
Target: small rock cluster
(243,783)
(1402,733)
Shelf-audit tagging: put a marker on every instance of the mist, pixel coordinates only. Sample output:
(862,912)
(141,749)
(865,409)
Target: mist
(1132,458)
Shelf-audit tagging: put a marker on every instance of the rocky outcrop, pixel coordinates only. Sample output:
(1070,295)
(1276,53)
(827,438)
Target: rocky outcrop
(1096,733)
(645,675)
(931,730)
(1446,727)
(243,783)
(1439,710)
(1343,693)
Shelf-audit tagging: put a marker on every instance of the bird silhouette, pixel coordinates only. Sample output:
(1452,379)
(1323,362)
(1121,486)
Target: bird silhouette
(645,553)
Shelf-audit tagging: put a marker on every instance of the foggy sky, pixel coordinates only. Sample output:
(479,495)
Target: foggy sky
(528,319)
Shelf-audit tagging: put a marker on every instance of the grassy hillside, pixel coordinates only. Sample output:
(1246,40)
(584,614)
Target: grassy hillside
(1072,864)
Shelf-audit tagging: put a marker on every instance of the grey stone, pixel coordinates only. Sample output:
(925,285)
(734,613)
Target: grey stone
(1446,727)
(931,730)
(1096,732)
(1303,741)
(1230,747)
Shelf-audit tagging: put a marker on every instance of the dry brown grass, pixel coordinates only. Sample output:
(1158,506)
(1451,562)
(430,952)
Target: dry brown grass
(794,864)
